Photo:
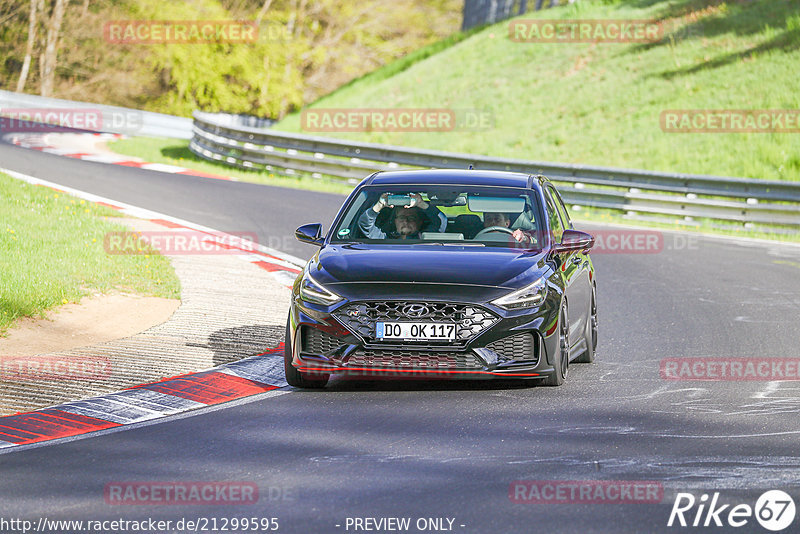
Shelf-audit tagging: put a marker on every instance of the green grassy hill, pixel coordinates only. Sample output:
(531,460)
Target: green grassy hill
(600,104)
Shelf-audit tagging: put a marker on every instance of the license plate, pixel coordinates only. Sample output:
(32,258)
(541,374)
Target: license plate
(416,331)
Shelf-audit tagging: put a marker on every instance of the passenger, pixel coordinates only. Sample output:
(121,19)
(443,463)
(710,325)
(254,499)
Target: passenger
(409,221)
(496,218)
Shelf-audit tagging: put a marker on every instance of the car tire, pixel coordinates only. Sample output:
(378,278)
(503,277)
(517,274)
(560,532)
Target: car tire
(293,376)
(591,331)
(561,363)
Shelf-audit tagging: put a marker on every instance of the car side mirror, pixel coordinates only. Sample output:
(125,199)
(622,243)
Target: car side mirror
(573,240)
(310,233)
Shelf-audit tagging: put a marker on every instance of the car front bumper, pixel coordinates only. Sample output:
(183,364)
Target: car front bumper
(514,345)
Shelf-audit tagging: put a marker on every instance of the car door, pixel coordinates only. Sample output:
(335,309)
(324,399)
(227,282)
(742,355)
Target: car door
(584,275)
(572,266)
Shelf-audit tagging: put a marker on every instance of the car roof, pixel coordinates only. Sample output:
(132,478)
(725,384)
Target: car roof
(453,177)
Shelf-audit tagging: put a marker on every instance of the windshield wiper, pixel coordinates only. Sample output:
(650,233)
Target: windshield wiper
(455,244)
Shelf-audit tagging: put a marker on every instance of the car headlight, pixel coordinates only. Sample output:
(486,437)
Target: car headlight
(528,297)
(313,291)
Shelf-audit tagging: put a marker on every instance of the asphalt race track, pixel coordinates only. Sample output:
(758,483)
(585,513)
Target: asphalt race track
(452,450)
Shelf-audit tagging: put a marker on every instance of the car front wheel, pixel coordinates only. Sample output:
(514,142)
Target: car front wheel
(591,331)
(561,361)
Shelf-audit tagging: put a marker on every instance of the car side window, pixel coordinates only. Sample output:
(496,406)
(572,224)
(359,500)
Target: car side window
(556,226)
(562,209)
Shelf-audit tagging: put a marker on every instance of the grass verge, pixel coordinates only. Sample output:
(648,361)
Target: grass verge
(51,253)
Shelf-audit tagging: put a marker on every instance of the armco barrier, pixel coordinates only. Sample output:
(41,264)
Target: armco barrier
(235,140)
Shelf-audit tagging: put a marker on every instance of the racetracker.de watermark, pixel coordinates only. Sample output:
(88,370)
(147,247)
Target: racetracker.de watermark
(55,120)
(179,242)
(395,120)
(730,121)
(442,368)
(621,241)
(35,120)
(627,242)
(180,493)
(730,369)
(633,241)
(585,492)
(394,374)
(180,31)
(68,368)
(585,31)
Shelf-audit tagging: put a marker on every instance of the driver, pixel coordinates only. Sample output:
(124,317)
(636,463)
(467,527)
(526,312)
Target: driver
(409,221)
(496,218)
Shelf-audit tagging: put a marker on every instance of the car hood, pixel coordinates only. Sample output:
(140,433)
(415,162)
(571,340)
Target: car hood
(426,264)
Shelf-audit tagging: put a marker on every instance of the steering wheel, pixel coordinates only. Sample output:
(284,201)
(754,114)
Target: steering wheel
(494,229)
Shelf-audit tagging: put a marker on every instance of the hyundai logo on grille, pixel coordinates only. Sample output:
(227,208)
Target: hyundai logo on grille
(415,311)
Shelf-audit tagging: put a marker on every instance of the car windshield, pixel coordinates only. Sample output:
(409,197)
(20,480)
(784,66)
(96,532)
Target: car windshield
(443,215)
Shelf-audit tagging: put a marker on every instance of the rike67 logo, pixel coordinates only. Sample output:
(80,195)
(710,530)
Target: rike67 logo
(774,510)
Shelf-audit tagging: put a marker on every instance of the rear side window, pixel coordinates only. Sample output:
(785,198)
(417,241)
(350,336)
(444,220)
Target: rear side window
(562,210)
(556,226)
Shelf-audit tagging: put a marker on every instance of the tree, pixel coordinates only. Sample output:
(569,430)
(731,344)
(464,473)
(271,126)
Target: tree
(36,7)
(49,56)
(45,19)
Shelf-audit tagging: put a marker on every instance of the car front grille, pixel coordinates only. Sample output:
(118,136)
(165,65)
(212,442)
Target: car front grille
(360,317)
(516,347)
(316,341)
(409,359)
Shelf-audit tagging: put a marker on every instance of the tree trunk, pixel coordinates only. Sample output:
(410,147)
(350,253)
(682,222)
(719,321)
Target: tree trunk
(26,63)
(262,12)
(50,55)
(293,27)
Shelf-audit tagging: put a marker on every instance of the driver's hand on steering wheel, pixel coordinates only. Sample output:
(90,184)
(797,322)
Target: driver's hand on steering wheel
(519,235)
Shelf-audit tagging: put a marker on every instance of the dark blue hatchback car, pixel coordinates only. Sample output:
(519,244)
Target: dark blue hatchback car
(444,273)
